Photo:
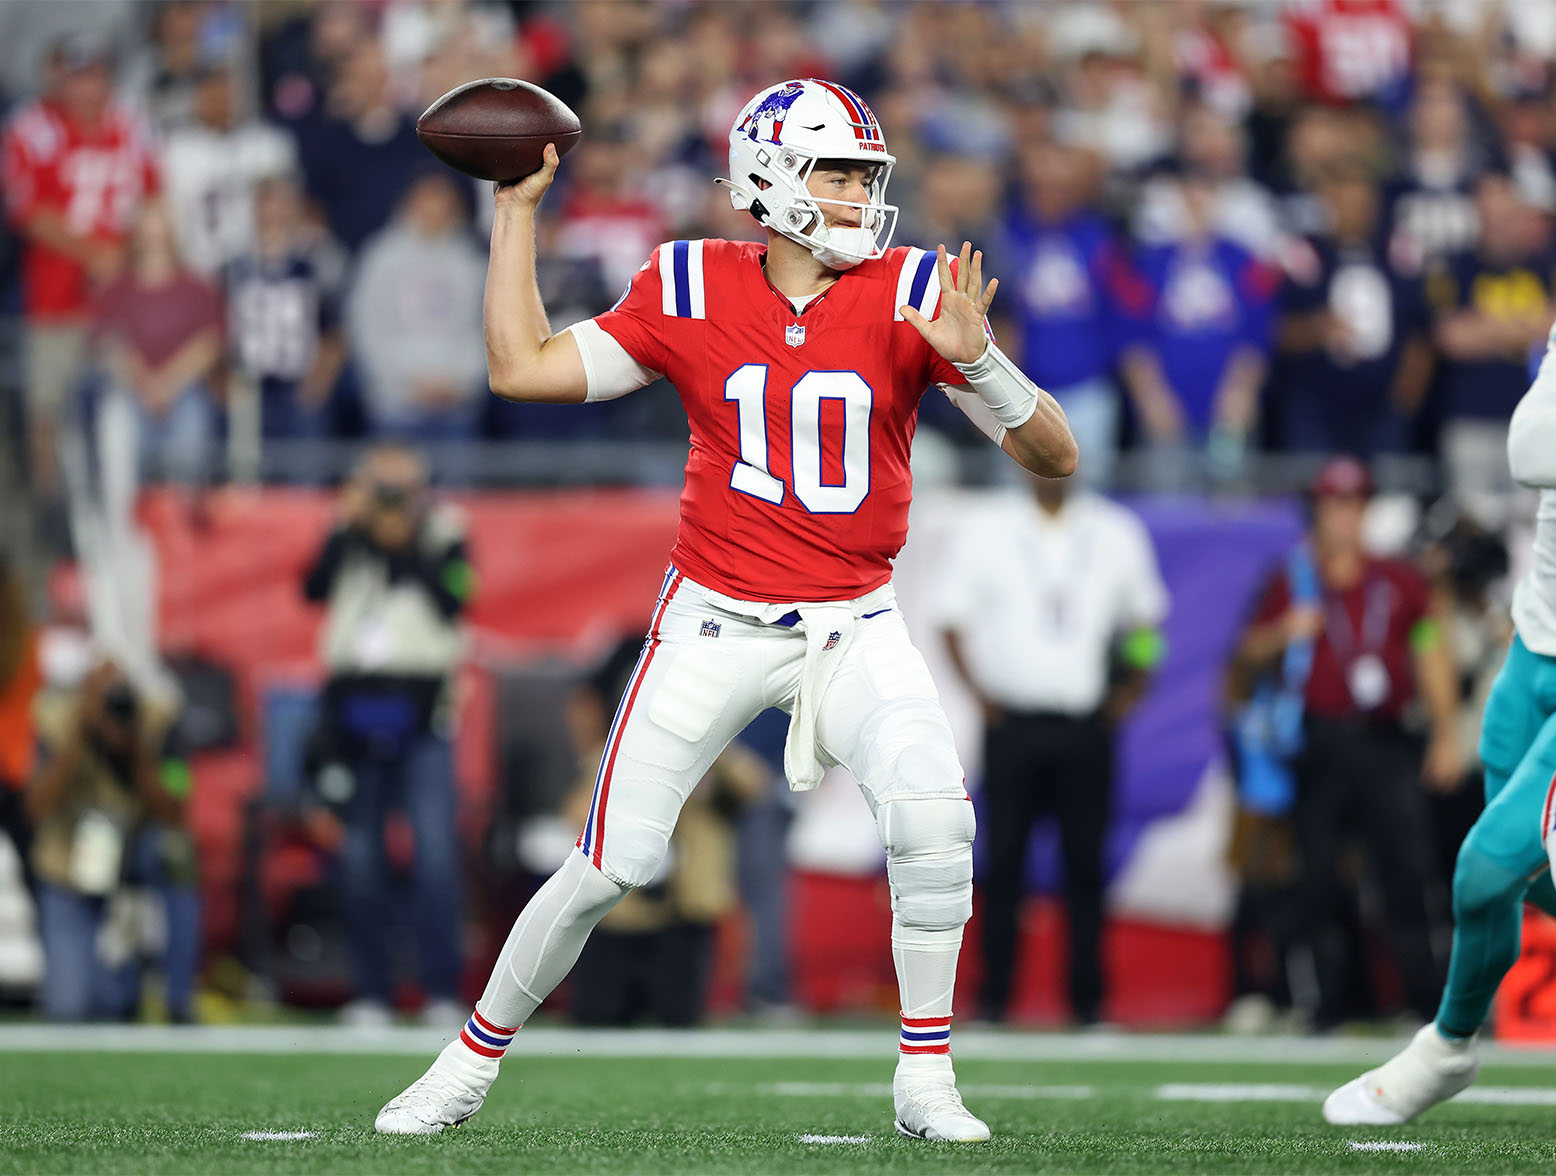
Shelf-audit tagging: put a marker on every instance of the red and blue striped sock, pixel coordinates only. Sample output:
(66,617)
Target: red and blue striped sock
(482,1037)
(926,1035)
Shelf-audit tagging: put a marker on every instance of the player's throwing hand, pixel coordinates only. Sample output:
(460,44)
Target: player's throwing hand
(957,331)
(526,193)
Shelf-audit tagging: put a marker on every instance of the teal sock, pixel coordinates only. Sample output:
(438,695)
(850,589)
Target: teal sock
(1486,930)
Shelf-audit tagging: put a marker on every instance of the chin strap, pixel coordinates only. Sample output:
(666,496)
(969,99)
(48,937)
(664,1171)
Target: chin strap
(824,251)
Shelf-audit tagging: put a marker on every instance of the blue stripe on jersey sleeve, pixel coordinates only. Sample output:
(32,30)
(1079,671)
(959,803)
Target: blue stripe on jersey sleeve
(683,286)
(926,265)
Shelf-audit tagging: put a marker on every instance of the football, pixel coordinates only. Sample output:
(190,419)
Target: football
(497,128)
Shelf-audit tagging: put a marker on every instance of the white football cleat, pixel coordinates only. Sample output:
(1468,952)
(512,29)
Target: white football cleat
(928,1105)
(1430,1070)
(452,1089)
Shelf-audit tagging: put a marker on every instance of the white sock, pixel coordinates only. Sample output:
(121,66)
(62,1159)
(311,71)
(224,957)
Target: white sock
(926,982)
(541,949)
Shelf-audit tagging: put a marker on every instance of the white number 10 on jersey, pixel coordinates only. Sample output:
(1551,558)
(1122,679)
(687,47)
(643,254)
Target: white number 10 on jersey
(747,386)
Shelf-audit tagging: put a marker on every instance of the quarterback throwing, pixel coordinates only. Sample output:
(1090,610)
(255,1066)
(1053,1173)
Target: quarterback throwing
(801,363)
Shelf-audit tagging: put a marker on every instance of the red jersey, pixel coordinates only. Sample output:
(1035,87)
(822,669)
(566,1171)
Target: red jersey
(797,484)
(1376,617)
(94,177)
(1349,49)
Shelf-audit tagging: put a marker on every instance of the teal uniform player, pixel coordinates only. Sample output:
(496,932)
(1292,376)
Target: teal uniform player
(1503,861)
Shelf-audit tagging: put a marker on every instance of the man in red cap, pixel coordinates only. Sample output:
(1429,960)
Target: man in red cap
(1376,646)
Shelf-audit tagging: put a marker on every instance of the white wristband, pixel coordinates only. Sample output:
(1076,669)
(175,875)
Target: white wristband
(1001,385)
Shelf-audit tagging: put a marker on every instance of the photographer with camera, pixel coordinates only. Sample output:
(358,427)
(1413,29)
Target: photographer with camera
(394,577)
(107,803)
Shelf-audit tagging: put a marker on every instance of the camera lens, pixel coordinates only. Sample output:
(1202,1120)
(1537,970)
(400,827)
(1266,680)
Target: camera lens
(388,495)
(119,702)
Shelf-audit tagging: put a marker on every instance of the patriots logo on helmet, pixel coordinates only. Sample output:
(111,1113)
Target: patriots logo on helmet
(775,107)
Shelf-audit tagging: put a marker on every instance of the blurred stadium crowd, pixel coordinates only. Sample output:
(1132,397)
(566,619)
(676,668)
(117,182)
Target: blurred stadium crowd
(1254,226)
(1235,237)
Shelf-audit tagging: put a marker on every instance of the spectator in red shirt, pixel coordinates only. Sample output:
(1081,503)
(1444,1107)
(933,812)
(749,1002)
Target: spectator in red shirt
(159,332)
(1378,646)
(1352,49)
(76,165)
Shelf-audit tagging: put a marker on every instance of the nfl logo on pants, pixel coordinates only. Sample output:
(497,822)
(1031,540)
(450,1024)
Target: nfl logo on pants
(794,334)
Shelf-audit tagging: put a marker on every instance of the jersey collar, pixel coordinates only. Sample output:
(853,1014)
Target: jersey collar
(783,299)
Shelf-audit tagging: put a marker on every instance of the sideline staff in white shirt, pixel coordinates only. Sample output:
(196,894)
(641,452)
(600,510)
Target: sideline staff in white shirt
(1050,603)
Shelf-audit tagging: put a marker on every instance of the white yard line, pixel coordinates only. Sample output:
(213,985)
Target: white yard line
(269,1136)
(970,1044)
(1202,1092)
(1242,1092)
(1509,1096)
(883,1090)
(1238,1092)
(837,1139)
(1385,1145)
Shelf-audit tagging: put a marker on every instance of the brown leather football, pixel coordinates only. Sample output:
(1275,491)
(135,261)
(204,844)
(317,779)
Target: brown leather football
(497,128)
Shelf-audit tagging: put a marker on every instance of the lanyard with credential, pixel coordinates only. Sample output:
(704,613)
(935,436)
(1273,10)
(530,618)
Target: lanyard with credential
(1365,672)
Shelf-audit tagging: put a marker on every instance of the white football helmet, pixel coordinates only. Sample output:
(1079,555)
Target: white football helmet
(778,138)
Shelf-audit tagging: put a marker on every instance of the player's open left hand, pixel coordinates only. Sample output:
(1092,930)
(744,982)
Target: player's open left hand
(526,193)
(957,331)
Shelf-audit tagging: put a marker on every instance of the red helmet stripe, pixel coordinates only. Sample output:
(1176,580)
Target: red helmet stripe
(860,120)
(869,115)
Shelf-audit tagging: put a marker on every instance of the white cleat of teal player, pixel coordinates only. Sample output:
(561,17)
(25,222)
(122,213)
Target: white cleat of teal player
(451,1090)
(1430,1070)
(928,1104)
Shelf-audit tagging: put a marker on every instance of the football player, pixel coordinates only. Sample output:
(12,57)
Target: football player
(801,363)
(1506,858)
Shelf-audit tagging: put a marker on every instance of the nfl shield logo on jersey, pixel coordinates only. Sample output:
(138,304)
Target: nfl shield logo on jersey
(832,639)
(794,334)
(710,628)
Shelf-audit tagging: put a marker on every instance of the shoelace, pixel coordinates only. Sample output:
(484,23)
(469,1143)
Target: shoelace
(433,1087)
(938,1098)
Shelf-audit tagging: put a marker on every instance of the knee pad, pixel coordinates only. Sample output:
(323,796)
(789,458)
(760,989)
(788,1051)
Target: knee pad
(1479,883)
(928,842)
(633,850)
(586,893)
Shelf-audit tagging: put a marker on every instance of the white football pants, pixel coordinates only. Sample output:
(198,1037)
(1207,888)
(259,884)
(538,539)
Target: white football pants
(709,666)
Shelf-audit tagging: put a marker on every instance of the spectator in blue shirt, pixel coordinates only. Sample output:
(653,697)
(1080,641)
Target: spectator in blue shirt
(1353,331)
(283,306)
(1068,276)
(360,155)
(1493,304)
(1199,344)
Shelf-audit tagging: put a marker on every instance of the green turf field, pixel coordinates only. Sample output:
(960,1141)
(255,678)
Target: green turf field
(85,1111)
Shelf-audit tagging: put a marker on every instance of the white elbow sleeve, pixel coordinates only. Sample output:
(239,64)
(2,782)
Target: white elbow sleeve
(1001,385)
